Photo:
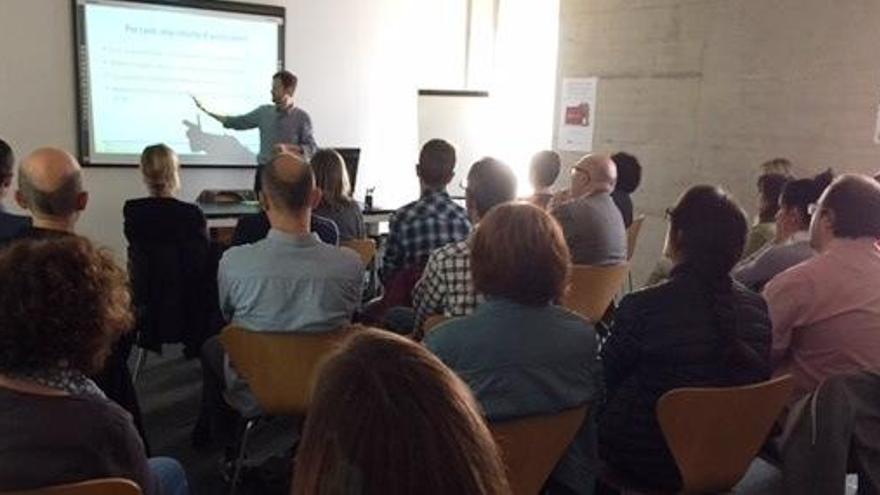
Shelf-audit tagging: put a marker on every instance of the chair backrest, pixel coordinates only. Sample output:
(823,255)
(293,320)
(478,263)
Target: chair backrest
(103,486)
(715,433)
(531,447)
(593,288)
(432,321)
(365,248)
(280,367)
(632,235)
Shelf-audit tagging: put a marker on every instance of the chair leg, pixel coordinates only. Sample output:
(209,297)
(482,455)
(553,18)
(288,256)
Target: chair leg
(629,277)
(239,461)
(139,364)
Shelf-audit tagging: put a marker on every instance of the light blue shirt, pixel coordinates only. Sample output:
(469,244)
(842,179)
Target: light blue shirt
(292,126)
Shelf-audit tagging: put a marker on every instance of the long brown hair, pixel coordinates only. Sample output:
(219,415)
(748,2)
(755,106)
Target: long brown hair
(387,417)
(331,177)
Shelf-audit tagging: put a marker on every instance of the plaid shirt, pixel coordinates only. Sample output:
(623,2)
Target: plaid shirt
(445,287)
(421,227)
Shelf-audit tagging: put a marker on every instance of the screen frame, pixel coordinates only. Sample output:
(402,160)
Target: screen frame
(83,137)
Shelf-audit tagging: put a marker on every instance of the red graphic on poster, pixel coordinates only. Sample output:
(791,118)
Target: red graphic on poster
(578,115)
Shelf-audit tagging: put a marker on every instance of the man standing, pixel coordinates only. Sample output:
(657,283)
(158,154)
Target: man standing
(591,222)
(283,126)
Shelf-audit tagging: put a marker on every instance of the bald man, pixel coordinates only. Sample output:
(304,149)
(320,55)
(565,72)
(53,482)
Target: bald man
(50,187)
(289,281)
(592,224)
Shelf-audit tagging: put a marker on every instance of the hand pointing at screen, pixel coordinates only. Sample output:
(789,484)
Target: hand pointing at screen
(218,117)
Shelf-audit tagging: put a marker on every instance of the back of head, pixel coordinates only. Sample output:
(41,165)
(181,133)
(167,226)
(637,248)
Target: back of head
(64,302)
(288,183)
(331,177)
(50,181)
(602,173)
(518,252)
(770,187)
(708,230)
(629,172)
(545,168)
(436,163)
(801,193)
(388,417)
(160,168)
(779,165)
(7,161)
(490,182)
(854,201)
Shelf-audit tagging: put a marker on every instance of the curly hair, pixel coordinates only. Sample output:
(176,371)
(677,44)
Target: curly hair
(63,303)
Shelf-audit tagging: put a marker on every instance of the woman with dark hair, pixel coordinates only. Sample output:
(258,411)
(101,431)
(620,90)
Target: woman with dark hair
(764,229)
(792,243)
(521,354)
(629,176)
(387,417)
(699,329)
(331,177)
(63,304)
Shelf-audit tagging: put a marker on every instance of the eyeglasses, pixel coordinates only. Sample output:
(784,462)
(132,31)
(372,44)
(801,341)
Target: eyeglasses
(812,209)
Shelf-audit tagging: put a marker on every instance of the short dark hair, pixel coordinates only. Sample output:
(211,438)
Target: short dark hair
(532,270)
(7,161)
(63,301)
(291,195)
(62,202)
(545,168)
(801,193)
(629,171)
(855,201)
(490,182)
(436,162)
(288,80)
(770,187)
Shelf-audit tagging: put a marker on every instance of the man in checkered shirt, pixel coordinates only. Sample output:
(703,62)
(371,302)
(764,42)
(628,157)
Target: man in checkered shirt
(445,287)
(432,221)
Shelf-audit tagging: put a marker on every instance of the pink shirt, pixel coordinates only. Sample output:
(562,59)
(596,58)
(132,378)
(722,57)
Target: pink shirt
(826,314)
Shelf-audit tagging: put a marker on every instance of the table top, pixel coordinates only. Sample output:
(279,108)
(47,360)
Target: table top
(238,210)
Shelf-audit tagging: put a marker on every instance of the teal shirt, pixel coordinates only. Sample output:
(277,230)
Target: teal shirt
(293,126)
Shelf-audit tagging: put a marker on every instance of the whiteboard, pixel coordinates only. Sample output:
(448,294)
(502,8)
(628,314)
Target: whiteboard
(463,119)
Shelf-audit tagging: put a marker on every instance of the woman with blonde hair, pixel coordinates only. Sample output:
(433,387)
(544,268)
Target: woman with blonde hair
(387,417)
(331,177)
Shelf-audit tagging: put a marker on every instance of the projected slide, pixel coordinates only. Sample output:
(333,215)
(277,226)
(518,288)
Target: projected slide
(140,65)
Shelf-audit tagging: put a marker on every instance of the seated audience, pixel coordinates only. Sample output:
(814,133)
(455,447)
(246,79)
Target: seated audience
(161,217)
(543,172)
(699,329)
(792,242)
(432,221)
(629,176)
(64,303)
(429,439)
(520,353)
(11,226)
(764,229)
(336,204)
(592,224)
(253,228)
(289,281)
(445,287)
(826,311)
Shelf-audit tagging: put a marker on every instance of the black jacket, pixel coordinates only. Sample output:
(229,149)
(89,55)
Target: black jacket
(665,337)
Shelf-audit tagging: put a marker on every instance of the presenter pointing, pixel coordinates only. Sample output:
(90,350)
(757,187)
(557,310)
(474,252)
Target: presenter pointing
(283,127)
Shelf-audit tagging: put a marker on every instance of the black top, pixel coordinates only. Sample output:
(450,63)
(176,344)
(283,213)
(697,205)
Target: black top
(666,337)
(253,228)
(624,203)
(12,226)
(54,440)
(163,220)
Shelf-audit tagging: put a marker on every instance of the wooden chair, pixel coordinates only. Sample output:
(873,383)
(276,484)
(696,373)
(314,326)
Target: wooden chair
(715,433)
(102,486)
(365,248)
(593,288)
(433,321)
(532,446)
(632,239)
(280,369)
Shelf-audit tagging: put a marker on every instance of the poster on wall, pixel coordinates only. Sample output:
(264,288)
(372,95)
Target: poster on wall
(578,110)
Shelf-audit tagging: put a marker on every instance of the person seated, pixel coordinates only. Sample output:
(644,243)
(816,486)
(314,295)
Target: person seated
(543,172)
(779,165)
(445,287)
(629,176)
(764,229)
(336,204)
(521,354)
(289,281)
(826,310)
(50,187)
(792,243)
(11,226)
(161,217)
(592,224)
(699,329)
(428,223)
(429,440)
(255,227)
(64,302)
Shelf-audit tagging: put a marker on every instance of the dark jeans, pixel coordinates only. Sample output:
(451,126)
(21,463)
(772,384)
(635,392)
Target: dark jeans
(216,415)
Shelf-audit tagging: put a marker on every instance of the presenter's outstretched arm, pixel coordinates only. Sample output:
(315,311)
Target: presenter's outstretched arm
(220,118)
